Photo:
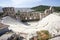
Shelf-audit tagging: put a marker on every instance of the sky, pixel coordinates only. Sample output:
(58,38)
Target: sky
(28,3)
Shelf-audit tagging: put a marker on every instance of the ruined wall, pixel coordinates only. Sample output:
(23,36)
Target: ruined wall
(29,16)
(32,16)
(8,11)
(26,16)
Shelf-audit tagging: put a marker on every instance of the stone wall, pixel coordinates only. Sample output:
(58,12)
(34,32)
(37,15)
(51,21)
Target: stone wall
(8,11)
(29,16)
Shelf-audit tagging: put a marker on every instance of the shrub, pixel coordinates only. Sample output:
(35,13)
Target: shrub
(43,35)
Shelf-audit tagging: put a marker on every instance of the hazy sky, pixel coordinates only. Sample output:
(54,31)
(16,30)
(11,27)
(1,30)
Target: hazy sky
(28,3)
